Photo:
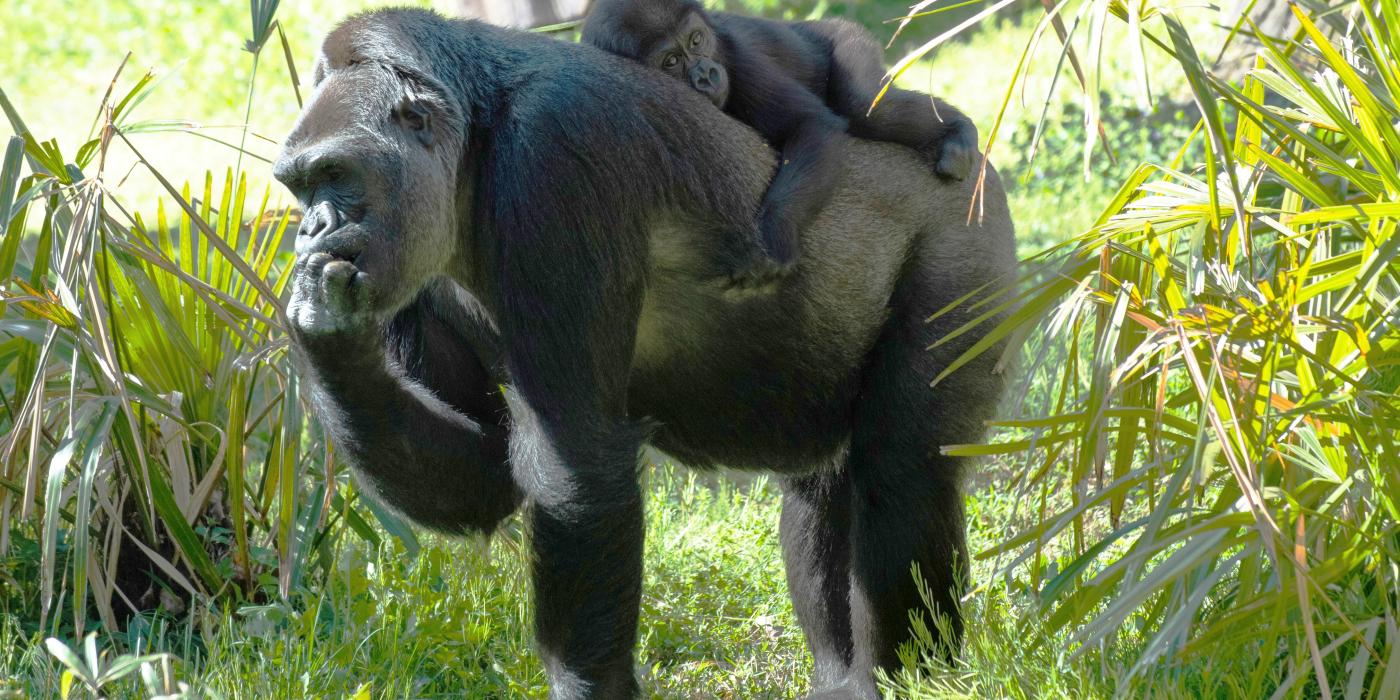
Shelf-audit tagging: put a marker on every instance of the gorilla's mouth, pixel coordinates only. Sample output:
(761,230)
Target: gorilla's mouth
(351,258)
(346,243)
(343,254)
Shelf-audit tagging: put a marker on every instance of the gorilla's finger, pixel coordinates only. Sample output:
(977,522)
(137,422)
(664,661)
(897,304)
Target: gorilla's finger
(337,271)
(336,279)
(298,272)
(315,263)
(360,291)
(303,288)
(307,278)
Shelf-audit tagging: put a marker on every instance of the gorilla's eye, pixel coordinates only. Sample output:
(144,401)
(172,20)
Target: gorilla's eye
(330,172)
(695,38)
(670,61)
(414,116)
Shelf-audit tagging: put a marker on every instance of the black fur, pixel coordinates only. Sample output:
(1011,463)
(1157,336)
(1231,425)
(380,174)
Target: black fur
(501,291)
(799,84)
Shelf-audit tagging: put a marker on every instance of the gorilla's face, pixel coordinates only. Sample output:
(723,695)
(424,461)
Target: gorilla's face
(672,36)
(375,172)
(689,51)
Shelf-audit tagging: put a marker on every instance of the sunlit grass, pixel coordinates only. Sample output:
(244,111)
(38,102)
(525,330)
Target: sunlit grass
(454,621)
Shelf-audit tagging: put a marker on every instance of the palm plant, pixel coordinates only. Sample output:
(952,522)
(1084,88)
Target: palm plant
(1214,464)
(151,422)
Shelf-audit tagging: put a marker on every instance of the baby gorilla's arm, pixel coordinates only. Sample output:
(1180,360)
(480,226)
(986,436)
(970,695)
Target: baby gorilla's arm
(804,129)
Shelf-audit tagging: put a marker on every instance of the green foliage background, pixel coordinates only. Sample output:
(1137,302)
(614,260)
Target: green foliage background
(1193,492)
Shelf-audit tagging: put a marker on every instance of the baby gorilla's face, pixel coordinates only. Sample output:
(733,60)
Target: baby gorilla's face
(689,53)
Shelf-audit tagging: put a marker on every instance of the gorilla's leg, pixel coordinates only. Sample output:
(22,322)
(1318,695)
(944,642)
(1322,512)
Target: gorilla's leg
(928,124)
(815,533)
(568,314)
(586,520)
(907,507)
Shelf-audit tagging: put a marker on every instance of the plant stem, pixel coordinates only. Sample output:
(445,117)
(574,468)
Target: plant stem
(247,116)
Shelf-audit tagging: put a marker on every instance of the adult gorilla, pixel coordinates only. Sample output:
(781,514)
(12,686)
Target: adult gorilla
(578,200)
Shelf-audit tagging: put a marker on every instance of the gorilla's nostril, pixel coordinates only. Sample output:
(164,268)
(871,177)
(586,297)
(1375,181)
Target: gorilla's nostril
(320,219)
(706,77)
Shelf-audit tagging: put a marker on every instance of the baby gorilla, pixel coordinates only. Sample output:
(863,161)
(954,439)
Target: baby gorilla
(799,84)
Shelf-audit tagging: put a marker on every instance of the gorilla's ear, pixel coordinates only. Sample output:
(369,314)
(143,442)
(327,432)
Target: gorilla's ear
(415,115)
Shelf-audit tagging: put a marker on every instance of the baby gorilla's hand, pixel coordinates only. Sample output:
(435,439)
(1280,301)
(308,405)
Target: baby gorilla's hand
(955,155)
(330,298)
(755,262)
(760,274)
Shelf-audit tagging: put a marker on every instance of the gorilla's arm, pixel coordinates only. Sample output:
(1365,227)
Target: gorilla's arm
(415,413)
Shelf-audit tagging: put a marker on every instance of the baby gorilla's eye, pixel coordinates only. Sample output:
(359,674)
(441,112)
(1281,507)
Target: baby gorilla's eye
(695,38)
(670,61)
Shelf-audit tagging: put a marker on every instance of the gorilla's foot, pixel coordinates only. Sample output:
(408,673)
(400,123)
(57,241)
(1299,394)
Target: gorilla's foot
(845,691)
(955,156)
(955,165)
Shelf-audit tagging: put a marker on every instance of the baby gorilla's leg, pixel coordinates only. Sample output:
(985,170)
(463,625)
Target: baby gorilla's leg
(944,135)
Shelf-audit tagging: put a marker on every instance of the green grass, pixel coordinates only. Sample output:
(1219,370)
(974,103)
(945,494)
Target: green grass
(62,58)
(453,621)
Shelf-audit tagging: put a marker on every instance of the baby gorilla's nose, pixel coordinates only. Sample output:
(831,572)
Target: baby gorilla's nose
(705,76)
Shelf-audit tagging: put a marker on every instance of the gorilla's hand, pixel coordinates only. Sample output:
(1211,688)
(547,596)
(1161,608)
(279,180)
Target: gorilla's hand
(330,299)
(758,275)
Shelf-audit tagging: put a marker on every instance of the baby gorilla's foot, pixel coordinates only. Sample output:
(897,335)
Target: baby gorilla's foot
(955,155)
(760,274)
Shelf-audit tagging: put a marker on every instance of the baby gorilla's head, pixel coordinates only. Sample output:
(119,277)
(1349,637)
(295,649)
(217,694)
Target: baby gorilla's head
(673,36)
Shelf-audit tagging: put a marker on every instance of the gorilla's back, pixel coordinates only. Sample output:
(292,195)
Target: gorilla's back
(767,381)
